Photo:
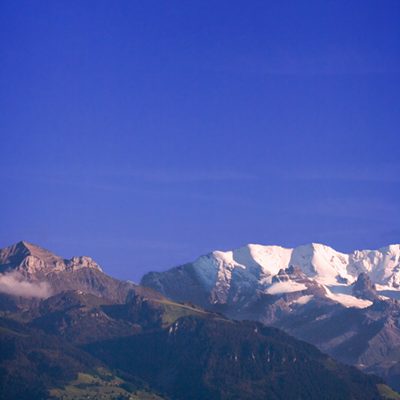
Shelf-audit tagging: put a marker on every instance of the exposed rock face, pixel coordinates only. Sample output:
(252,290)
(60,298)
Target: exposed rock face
(364,289)
(34,261)
(31,265)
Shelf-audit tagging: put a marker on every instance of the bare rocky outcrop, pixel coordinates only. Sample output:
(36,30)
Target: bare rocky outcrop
(24,266)
(36,262)
(364,289)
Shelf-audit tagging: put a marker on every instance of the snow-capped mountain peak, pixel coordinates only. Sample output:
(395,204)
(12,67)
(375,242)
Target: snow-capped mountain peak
(227,276)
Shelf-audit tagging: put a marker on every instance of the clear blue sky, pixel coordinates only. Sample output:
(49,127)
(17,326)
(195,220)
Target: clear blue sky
(146,133)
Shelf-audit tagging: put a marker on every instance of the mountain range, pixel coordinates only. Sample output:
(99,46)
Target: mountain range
(69,331)
(345,304)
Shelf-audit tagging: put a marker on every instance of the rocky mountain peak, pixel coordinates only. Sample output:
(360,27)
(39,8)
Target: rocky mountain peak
(82,262)
(22,247)
(293,272)
(27,246)
(363,288)
(32,260)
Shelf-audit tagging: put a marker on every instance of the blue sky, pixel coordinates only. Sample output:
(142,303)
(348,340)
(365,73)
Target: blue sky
(146,133)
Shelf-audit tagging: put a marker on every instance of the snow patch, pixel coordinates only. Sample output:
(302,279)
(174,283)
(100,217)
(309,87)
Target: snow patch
(347,300)
(304,299)
(269,258)
(286,287)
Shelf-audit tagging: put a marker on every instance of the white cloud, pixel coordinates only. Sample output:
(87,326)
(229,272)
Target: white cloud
(15,284)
